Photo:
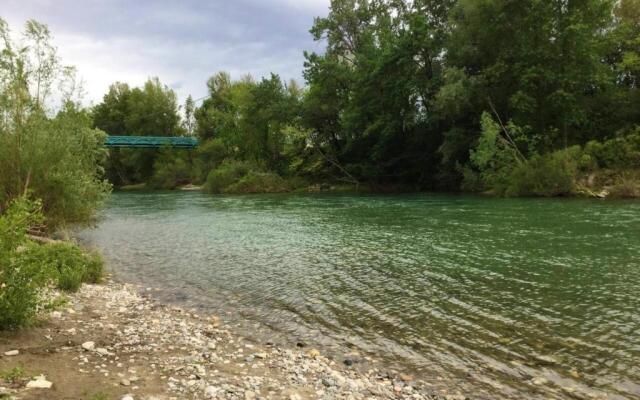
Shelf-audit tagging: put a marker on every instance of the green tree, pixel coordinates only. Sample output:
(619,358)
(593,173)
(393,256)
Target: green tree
(151,110)
(49,155)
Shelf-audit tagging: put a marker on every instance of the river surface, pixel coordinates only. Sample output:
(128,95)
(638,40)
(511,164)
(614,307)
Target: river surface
(488,295)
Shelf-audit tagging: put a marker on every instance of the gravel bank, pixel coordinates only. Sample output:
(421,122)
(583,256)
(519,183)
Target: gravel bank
(110,342)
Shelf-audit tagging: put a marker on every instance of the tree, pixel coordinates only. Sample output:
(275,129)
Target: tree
(370,99)
(48,154)
(151,110)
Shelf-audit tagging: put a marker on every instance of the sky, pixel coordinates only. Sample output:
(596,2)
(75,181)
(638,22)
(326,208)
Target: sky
(183,42)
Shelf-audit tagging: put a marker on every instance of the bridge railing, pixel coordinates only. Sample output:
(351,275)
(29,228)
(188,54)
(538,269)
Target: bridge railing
(151,141)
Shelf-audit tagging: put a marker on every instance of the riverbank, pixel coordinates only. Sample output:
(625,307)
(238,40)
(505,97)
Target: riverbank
(601,185)
(113,341)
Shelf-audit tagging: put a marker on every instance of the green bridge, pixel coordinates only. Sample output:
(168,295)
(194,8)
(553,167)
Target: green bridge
(152,142)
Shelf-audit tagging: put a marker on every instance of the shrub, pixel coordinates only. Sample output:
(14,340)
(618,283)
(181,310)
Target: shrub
(28,268)
(259,182)
(548,175)
(22,277)
(225,175)
(71,266)
(94,271)
(621,152)
(626,186)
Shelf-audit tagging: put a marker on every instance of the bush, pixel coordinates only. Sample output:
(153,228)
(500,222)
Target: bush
(225,175)
(626,186)
(621,152)
(259,182)
(22,277)
(28,268)
(71,266)
(549,175)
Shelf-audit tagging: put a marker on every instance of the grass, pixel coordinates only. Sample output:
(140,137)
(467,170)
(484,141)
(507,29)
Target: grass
(13,375)
(98,396)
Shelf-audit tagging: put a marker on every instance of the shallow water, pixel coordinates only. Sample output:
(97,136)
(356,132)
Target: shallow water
(484,293)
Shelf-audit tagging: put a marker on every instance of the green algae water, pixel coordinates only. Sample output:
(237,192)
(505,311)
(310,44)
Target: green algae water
(509,298)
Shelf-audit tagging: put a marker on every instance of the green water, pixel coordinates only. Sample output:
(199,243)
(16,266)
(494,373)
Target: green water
(480,293)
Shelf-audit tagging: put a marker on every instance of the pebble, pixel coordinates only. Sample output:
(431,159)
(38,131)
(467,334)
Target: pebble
(539,380)
(89,346)
(102,351)
(406,378)
(11,353)
(210,392)
(127,397)
(40,382)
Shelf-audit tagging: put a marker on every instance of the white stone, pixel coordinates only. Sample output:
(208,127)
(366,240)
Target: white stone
(11,353)
(539,380)
(56,314)
(102,351)
(40,382)
(89,346)
(210,392)
(127,397)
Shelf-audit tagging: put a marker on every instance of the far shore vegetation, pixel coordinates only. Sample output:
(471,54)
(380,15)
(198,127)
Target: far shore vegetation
(523,98)
(512,98)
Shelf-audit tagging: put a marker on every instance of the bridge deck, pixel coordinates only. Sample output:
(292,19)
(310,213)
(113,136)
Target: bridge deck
(151,141)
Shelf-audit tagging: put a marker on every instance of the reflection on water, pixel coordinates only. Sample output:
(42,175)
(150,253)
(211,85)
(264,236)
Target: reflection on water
(490,292)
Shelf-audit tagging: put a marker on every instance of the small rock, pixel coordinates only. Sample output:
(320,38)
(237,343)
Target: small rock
(210,392)
(56,314)
(295,396)
(547,360)
(89,346)
(406,378)
(214,321)
(313,353)
(127,397)
(539,380)
(260,355)
(102,351)
(11,353)
(125,382)
(40,382)
(249,395)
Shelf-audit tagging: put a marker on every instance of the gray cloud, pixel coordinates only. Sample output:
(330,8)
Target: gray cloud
(181,42)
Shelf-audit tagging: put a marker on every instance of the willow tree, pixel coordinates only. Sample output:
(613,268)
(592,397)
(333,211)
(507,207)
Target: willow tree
(48,149)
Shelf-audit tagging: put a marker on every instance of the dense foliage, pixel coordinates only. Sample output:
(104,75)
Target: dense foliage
(422,94)
(53,156)
(28,269)
(148,111)
(406,91)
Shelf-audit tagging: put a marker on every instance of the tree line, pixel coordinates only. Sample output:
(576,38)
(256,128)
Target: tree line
(415,95)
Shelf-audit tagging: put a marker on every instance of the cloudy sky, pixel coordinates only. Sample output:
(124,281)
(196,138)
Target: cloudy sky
(183,42)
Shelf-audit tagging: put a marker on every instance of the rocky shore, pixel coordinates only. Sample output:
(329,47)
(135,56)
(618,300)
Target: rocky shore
(112,341)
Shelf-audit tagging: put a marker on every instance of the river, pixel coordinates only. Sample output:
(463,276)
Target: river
(509,298)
